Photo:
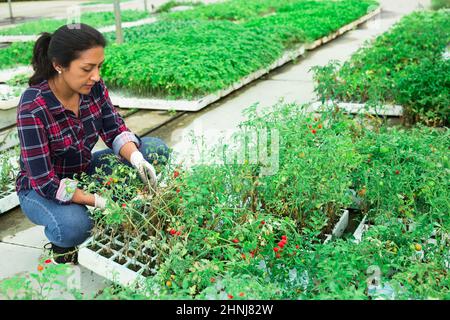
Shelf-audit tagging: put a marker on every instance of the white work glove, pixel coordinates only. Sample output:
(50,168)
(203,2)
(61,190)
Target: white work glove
(145,169)
(100,202)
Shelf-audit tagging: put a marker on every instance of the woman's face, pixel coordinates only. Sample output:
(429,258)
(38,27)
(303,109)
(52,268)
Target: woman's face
(84,72)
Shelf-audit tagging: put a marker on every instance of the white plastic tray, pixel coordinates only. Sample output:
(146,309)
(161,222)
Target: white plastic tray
(352,107)
(109,268)
(8,200)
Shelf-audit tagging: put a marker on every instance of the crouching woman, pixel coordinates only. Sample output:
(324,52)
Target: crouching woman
(59,120)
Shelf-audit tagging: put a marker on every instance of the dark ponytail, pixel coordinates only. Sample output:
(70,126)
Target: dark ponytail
(62,47)
(42,66)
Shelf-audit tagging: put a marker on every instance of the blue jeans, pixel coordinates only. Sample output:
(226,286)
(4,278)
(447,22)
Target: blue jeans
(70,225)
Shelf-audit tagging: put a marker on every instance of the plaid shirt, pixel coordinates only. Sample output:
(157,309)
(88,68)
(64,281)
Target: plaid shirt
(55,144)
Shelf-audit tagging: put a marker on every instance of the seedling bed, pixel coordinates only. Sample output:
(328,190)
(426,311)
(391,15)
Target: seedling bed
(195,105)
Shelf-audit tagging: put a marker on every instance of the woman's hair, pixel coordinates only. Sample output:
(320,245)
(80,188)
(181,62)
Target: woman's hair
(62,47)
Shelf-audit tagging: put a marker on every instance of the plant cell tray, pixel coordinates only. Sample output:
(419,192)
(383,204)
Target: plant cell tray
(339,227)
(129,272)
(354,108)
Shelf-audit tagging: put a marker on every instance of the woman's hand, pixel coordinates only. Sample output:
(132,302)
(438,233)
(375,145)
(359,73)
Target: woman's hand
(81,197)
(93,200)
(146,170)
(99,202)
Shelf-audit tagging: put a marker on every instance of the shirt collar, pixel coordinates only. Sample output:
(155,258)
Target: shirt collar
(53,104)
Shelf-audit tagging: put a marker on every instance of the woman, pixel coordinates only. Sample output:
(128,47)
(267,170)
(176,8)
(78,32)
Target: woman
(60,118)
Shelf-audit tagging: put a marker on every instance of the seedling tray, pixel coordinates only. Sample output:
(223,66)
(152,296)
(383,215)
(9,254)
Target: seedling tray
(8,199)
(108,259)
(354,108)
(8,98)
(339,227)
(362,227)
(8,196)
(195,105)
(9,104)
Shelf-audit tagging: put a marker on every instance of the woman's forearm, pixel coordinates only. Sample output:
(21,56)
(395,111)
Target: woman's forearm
(127,149)
(84,198)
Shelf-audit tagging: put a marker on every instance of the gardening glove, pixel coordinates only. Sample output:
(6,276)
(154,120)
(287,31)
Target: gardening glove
(100,202)
(145,169)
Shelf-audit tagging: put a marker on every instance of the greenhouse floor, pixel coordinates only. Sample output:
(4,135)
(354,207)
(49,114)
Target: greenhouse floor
(21,242)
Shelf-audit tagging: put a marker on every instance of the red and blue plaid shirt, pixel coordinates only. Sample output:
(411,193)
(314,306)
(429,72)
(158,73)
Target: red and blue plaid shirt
(55,144)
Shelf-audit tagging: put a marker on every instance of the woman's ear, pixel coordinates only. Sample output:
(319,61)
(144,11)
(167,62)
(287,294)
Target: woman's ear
(57,67)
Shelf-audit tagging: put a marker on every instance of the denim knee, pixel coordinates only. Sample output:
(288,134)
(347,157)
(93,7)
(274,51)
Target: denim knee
(154,149)
(75,230)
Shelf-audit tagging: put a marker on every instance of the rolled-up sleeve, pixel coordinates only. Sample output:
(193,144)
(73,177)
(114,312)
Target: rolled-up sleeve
(114,132)
(35,155)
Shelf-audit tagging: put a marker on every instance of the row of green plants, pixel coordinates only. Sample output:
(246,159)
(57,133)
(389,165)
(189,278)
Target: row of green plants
(20,53)
(234,10)
(189,57)
(228,232)
(16,54)
(95,19)
(172,4)
(293,20)
(185,55)
(311,19)
(186,59)
(405,66)
(439,4)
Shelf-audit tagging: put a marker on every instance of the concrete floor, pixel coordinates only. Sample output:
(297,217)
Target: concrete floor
(293,82)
